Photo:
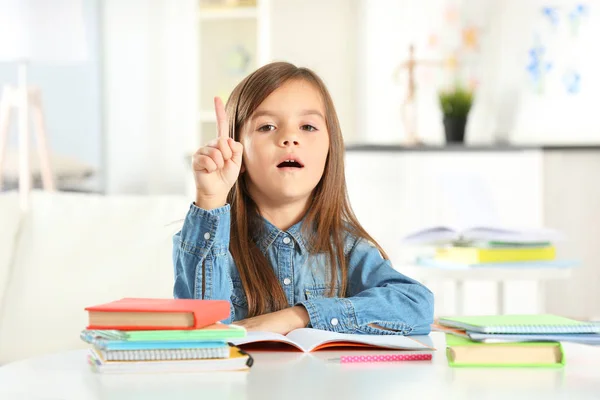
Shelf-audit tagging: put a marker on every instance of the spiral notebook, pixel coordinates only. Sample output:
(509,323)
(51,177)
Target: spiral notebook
(237,360)
(520,324)
(164,354)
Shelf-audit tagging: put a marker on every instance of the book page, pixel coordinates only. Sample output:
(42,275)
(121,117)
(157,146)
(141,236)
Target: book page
(309,339)
(257,337)
(440,234)
(536,235)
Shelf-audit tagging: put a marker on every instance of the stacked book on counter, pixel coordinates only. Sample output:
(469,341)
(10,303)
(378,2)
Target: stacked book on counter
(163,335)
(489,247)
(519,340)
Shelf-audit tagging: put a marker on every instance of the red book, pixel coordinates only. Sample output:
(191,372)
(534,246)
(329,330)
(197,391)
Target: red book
(155,314)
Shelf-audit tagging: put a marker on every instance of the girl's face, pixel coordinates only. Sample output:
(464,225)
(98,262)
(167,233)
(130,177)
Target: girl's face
(286,144)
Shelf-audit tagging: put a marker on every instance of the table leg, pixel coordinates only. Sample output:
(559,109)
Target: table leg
(459,297)
(500,297)
(541,297)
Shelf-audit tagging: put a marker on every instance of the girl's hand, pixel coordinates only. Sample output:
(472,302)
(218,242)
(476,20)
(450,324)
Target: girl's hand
(217,165)
(282,322)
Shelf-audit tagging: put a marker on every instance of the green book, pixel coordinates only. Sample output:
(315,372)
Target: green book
(214,334)
(520,324)
(462,352)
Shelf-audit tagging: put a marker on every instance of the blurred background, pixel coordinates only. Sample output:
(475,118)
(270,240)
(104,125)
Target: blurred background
(141,100)
(454,112)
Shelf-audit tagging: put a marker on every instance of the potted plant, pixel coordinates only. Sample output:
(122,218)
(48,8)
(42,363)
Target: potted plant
(456,104)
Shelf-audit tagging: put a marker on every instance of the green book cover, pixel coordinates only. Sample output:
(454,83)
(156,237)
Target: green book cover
(454,342)
(520,324)
(215,334)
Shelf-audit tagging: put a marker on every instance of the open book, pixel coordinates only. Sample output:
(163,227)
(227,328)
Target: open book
(308,339)
(445,234)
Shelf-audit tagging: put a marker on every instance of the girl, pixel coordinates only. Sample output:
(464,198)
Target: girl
(272,230)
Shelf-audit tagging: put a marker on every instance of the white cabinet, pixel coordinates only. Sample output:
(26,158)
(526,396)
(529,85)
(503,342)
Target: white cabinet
(397,191)
(233,41)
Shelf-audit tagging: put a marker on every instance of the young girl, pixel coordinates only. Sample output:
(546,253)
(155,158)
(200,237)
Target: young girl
(272,230)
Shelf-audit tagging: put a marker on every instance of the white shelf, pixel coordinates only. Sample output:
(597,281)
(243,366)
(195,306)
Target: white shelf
(215,14)
(207,116)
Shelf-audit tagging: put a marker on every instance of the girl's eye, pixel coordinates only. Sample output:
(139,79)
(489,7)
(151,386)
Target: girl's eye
(309,128)
(266,128)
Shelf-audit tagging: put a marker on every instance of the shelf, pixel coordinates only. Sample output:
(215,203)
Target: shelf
(215,14)
(207,116)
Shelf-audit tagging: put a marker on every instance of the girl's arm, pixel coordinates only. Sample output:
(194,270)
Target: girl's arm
(380,300)
(200,249)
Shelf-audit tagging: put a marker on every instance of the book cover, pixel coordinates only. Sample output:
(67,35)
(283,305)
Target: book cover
(204,353)
(447,234)
(583,338)
(238,360)
(519,324)
(430,262)
(308,340)
(462,352)
(474,255)
(215,332)
(153,313)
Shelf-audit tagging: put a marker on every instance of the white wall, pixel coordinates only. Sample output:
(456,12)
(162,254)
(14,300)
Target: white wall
(505,101)
(396,193)
(321,35)
(572,206)
(149,93)
(71,96)
(557,116)
(151,69)
(387,29)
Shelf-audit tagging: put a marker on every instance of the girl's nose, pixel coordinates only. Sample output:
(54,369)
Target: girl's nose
(288,138)
(289,142)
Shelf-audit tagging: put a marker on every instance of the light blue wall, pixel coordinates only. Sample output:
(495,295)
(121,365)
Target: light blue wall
(71,97)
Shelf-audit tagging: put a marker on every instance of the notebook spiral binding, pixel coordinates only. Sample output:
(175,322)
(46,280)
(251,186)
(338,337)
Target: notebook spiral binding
(165,355)
(525,329)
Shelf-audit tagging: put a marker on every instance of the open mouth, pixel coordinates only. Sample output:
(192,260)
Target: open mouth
(290,164)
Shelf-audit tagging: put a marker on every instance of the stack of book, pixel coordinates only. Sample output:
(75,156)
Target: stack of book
(163,335)
(512,340)
(495,254)
(489,247)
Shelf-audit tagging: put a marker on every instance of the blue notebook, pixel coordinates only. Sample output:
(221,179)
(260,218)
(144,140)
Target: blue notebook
(102,343)
(583,338)
(519,324)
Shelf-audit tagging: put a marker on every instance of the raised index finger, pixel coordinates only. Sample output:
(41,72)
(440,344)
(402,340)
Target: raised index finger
(222,121)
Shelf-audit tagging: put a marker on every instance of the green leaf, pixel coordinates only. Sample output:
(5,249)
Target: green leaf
(456,102)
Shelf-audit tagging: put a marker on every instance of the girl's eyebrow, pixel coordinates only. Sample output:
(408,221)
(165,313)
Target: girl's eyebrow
(262,113)
(312,112)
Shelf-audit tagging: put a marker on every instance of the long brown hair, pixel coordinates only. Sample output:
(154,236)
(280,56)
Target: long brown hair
(329,217)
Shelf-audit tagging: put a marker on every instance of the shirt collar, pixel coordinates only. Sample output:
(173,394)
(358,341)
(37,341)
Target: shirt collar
(270,233)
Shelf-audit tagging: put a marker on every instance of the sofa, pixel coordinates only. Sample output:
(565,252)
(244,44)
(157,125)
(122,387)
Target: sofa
(72,250)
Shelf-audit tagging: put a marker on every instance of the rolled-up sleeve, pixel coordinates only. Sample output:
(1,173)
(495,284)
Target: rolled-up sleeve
(380,300)
(201,255)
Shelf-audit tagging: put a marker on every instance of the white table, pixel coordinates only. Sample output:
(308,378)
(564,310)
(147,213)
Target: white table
(498,275)
(293,375)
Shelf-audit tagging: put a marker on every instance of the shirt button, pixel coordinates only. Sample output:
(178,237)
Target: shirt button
(287,281)
(207,236)
(334,321)
(286,240)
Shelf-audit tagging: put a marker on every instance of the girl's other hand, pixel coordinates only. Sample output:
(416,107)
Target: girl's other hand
(281,322)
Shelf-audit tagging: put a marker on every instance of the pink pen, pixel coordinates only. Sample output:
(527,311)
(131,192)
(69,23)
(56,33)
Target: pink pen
(385,358)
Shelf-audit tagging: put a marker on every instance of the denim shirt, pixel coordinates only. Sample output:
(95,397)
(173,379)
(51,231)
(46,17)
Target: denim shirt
(376,292)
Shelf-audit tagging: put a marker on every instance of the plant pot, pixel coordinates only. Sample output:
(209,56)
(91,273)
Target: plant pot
(454,127)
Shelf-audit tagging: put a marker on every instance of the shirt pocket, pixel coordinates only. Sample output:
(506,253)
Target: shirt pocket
(238,296)
(318,291)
